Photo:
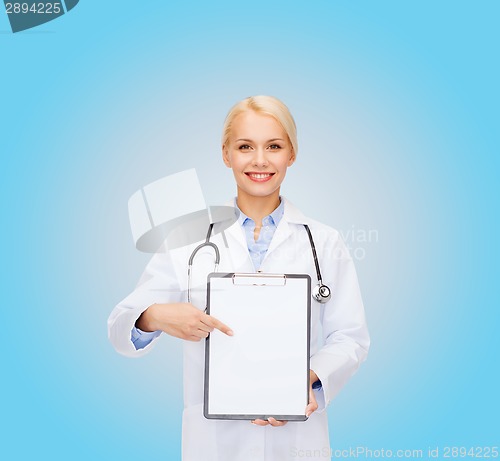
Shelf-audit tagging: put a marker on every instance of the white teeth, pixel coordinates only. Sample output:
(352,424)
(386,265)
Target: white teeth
(260,175)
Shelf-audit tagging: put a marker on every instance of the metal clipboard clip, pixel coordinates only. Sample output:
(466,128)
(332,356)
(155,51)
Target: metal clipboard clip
(265,279)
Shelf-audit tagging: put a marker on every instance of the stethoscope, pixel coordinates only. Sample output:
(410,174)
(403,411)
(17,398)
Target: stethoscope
(320,292)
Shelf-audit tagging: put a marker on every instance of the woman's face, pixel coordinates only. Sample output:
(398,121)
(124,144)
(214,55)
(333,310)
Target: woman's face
(259,154)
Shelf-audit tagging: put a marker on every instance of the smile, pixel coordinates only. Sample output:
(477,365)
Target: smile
(260,177)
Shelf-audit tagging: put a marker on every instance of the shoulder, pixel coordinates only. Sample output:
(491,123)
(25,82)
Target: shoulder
(323,230)
(295,216)
(327,240)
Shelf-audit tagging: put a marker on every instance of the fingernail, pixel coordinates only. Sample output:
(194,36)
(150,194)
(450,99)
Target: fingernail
(308,414)
(230,332)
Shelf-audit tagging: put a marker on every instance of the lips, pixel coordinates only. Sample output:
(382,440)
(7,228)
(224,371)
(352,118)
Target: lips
(259,177)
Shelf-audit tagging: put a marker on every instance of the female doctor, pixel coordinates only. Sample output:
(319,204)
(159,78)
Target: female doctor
(259,143)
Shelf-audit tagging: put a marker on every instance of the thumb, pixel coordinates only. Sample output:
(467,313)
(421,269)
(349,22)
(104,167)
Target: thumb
(313,405)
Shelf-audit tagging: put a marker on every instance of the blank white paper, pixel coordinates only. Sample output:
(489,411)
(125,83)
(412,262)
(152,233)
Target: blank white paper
(263,368)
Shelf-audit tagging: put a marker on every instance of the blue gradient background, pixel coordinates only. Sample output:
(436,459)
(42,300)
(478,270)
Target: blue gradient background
(397,109)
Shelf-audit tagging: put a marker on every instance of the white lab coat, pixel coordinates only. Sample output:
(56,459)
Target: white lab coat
(339,335)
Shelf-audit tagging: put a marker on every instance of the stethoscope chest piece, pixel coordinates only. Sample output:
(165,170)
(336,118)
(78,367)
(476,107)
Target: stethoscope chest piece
(321,293)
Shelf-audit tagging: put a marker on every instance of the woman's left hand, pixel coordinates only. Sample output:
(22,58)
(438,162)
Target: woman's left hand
(310,409)
(313,405)
(270,420)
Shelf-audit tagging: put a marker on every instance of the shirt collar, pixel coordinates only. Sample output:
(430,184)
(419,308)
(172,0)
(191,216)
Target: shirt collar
(273,218)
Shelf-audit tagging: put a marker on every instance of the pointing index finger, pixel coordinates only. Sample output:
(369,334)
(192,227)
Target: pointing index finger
(213,322)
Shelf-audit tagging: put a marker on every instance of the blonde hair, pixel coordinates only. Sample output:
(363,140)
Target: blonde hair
(267,105)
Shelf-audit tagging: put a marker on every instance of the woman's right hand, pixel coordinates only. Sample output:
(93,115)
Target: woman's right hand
(182,320)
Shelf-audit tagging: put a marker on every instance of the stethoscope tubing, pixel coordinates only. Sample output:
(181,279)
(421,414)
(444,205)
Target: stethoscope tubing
(321,293)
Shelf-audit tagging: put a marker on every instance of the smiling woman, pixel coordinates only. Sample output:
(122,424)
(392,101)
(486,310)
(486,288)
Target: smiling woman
(259,143)
(259,151)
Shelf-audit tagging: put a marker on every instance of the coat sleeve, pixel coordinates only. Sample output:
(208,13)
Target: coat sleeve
(345,334)
(158,284)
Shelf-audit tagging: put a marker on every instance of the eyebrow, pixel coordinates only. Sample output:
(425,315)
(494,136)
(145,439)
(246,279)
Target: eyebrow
(270,140)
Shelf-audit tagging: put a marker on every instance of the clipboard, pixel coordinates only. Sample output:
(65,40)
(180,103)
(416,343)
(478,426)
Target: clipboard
(263,370)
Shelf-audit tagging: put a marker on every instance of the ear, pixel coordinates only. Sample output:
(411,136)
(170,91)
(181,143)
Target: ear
(225,156)
(291,160)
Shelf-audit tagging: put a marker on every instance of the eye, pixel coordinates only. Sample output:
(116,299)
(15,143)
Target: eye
(274,147)
(244,147)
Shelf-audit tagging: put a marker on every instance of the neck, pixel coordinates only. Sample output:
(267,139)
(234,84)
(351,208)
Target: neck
(257,207)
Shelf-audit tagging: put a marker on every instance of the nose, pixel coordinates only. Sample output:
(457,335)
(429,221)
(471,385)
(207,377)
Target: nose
(260,158)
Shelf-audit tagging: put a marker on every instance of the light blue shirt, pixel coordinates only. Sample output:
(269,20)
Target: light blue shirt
(142,338)
(257,249)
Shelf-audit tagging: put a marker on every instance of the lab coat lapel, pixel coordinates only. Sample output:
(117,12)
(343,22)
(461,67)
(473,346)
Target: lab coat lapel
(281,233)
(291,215)
(238,248)
(235,232)
(236,235)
